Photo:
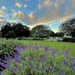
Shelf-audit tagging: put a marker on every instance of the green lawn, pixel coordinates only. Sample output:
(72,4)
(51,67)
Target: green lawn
(60,46)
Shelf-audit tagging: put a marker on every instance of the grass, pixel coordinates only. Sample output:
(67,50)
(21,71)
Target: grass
(60,46)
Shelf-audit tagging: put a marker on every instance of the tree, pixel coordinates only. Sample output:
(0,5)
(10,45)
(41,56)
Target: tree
(40,31)
(5,29)
(68,26)
(15,30)
(73,33)
(59,34)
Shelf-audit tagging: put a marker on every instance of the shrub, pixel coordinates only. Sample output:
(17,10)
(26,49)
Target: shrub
(69,39)
(7,46)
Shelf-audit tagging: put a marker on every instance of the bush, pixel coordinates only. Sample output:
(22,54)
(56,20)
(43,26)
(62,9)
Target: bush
(7,46)
(69,39)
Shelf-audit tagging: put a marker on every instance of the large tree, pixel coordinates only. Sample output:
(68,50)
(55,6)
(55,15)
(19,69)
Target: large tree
(5,29)
(73,33)
(40,31)
(15,30)
(68,26)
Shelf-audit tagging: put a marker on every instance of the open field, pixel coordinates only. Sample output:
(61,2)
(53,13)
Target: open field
(60,46)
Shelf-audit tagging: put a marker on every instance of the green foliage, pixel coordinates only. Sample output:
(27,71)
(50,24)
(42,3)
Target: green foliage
(69,39)
(59,34)
(68,26)
(15,30)
(73,33)
(41,31)
(7,46)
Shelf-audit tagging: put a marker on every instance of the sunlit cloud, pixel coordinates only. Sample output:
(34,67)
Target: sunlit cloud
(19,15)
(3,7)
(18,5)
(2,22)
(13,21)
(1,13)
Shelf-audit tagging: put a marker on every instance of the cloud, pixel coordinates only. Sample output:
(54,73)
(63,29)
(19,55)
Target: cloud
(13,21)
(13,10)
(18,5)
(1,13)
(19,15)
(2,22)
(47,11)
(25,5)
(3,7)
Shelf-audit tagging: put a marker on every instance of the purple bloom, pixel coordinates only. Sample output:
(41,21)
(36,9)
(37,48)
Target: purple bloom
(14,70)
(18,48)
(2,64)
(37,67)
(43,58)
(65,62)
(24,47)
(31,58)
(66,53)
(49,68)
(53,52)
(43,68)
(30,64)
(74,64)
(46,48)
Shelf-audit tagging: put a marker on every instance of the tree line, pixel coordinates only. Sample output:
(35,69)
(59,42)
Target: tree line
(40,31)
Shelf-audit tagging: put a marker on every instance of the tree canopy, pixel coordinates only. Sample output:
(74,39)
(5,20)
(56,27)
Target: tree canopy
(68,26)
(15,30)
(41,31)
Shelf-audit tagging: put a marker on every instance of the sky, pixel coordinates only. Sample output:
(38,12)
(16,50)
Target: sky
(36,12)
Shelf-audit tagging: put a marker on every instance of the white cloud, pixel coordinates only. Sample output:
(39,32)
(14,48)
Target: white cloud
(13,21)
(3,7)
(13,10)
(18,5)
(25,5)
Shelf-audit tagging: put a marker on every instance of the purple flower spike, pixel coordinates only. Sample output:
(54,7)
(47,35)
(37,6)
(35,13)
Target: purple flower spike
(66,53)
(46,48)
(24,47)
(43,67)
(37,67)
(49,68)
(53,52)
(30,64)
(43,59)
(65,62)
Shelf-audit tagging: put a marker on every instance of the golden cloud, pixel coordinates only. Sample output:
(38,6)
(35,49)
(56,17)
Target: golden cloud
(3,7)
(19,14)
(18,5)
